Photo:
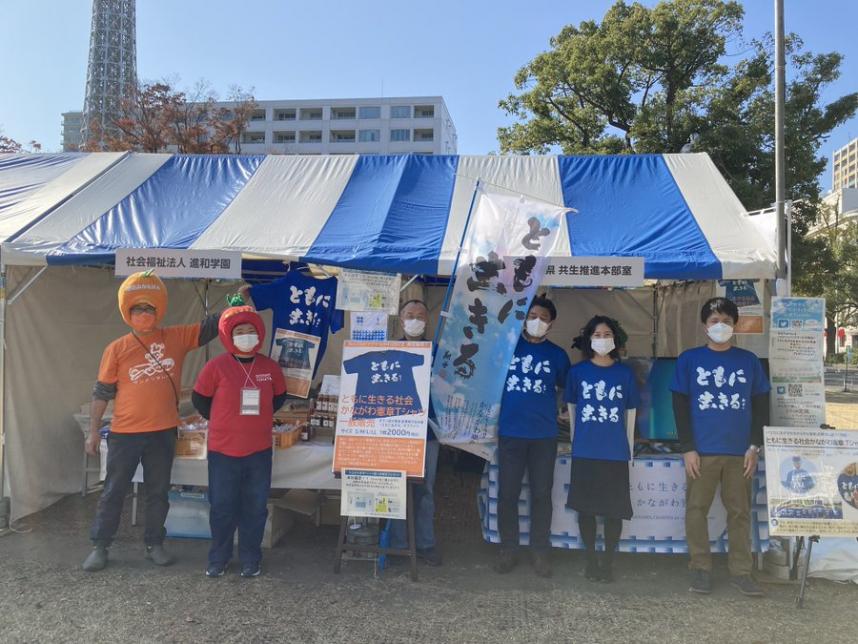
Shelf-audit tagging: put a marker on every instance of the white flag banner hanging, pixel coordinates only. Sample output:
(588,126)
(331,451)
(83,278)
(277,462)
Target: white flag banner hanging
(502,261)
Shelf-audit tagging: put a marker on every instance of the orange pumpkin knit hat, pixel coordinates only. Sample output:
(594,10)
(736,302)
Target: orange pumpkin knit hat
(143,288)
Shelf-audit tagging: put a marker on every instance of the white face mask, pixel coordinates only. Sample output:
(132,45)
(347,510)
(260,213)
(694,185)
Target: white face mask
(245,342)
(414,328)
(602,346)
(720,333)
(536,327)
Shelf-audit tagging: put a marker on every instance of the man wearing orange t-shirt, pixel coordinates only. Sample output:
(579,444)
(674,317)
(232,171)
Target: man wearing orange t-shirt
(142,371)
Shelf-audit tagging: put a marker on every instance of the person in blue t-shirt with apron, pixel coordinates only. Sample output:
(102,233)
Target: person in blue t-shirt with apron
(527,437)
(602,395)
(721,403)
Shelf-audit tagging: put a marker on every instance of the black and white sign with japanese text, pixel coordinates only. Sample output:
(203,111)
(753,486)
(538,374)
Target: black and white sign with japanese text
(625,272)
(167,263)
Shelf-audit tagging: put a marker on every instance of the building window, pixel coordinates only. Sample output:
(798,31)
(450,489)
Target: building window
(342,136)
(400,112)
(424,111)
(253,137)
(257,115)
(400,135)
(427,134)
(287,114)
(369,136)
(311,114)
(342,113)
(284,137)
(311,136)
(369,112)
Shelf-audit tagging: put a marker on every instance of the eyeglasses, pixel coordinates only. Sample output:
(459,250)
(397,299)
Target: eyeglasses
(142,308)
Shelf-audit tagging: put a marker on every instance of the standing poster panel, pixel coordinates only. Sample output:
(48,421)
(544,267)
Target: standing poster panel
(502,262)
(796,346)
(383,406)
(812,482)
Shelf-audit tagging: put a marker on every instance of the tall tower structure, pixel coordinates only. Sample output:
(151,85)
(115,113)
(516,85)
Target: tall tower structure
(112,69)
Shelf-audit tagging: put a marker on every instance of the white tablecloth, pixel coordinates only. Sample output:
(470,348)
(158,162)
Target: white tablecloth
(305,465)
(658,502)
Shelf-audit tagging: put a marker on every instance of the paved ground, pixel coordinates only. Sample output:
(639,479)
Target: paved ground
(44,596)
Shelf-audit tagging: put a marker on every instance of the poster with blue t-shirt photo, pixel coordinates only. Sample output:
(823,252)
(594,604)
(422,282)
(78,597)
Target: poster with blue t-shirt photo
(720,386)
(602,396)
(529,401)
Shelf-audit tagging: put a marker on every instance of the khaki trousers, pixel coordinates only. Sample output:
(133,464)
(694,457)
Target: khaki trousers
(736,496)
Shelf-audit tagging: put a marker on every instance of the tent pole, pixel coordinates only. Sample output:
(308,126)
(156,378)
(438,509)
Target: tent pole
(206,313)
(5,511)
(780,178)
(449,292)
(655,322)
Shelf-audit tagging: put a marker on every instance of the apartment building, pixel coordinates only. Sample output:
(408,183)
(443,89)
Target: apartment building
(844,166)
(394,125)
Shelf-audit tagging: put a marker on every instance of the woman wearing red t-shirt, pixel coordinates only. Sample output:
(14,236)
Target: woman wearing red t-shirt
(238,392)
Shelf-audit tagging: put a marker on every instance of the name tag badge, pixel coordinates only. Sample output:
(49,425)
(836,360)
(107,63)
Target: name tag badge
(250,402)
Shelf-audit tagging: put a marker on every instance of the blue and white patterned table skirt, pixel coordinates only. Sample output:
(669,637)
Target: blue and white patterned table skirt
(658,501)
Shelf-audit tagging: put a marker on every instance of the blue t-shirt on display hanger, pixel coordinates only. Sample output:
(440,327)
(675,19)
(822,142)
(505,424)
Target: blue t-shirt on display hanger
(301,303)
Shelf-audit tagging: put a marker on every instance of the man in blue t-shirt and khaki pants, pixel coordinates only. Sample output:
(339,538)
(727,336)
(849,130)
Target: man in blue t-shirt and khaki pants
(721,403)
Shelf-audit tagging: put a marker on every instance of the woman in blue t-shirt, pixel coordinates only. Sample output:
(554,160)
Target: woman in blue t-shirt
(602,395)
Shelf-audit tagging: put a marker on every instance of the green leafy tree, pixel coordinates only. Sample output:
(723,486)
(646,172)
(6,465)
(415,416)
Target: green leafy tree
(654,80)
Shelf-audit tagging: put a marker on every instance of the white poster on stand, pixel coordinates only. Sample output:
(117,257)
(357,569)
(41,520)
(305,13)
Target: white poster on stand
(796,346)
(374,493)
(812,481)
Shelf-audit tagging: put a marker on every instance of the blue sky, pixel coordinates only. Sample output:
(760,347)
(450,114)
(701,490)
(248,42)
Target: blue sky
(465,50)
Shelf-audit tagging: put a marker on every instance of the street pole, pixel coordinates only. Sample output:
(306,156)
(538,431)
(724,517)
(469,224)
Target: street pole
(780,179)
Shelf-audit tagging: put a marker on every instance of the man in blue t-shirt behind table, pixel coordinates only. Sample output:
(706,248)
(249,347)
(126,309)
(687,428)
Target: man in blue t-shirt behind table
(721,403)
(527,437)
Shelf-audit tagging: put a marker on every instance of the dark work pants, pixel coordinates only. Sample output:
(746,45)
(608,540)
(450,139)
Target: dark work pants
(515,457)
(238,493)
(124,453)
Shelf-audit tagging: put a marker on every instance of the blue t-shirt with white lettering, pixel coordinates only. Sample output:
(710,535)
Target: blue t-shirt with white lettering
(529,402)
(301,303)
(601,396)
(385,382)
(720,386)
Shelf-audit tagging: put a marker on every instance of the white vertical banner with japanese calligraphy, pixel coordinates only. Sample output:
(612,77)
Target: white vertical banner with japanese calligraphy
(796,351)
(502,262)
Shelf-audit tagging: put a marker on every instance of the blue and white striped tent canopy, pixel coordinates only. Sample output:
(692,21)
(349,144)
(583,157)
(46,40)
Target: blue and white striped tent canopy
(387,213)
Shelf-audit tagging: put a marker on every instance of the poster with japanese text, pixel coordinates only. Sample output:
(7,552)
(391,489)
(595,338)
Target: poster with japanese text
(296,353)
(383,406)
(368,326)
(373,493)
(368,291)
(748,297)
(796,349)
(502,262)
(812,481)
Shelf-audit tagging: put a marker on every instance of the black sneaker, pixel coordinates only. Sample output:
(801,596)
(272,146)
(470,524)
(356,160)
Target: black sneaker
(251,569)
(606,573)
(542,563)
(591,572)
(506,562)
(701,582)
(430,556)
(216,570)
(746,585)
